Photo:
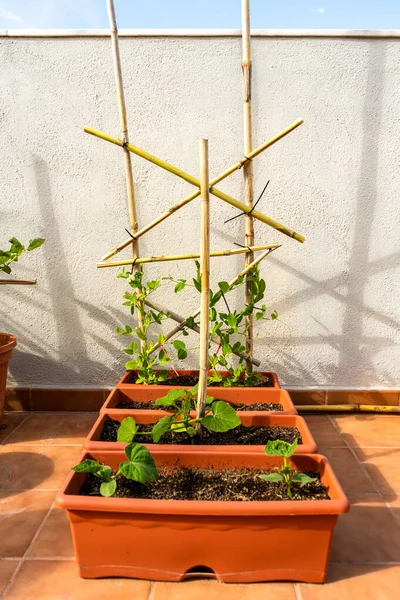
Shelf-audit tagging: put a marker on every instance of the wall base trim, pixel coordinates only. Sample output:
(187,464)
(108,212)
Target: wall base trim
(91,399)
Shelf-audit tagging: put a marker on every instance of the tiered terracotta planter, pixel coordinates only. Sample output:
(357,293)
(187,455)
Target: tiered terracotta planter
(164,540)
(265,419)
(150,393)
(7,343)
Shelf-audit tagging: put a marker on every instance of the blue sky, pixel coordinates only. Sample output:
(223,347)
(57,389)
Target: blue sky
(138,14)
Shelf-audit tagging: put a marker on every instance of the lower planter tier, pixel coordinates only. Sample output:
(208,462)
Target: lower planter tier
(237,542)
(93,443)
(148,395)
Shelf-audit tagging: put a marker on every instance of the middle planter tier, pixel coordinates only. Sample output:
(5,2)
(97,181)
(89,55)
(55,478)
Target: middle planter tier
(125,398)
(286,427)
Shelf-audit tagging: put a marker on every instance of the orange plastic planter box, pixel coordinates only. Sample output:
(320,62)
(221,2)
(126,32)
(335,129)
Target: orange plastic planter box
(240,542)
(93,444)
(7,343)
(150,393)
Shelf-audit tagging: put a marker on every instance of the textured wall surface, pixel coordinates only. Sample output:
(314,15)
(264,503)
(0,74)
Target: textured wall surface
(336,180)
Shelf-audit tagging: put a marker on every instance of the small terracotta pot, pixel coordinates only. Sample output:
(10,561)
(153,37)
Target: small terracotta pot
(93,444)
(124,381)
(236,542)
(233,395)
(7,343)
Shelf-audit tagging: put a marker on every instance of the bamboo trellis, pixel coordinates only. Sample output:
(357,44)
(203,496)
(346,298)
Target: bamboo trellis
(248,167)
(124,131)
(204,188)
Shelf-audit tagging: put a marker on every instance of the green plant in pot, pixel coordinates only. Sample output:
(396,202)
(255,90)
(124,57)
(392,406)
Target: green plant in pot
(230,328)
(149,364)
(8,341)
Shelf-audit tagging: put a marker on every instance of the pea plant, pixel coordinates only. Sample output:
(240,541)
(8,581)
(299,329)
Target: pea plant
(284,473)
(140,467)
(144,359)
(220,416)
(7,257)
(230,325)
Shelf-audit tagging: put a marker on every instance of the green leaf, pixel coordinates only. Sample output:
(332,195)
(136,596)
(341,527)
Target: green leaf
(274,315)
(190,321)
(16,245)
(140,466)
(36,243)
(271,477)
(224,286)
(186,404)
(161,427)
(224,417)
(161,339)
(105,473)
(177,344)
(280,448)
(303,478)
(231,320)
(180,285)
(127,430)
(209,399)
(88,466)
(170,398)
(108,488)
(6,269)
(131,365)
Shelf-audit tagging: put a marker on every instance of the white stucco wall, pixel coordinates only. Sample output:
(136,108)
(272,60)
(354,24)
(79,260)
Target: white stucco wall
(336,180)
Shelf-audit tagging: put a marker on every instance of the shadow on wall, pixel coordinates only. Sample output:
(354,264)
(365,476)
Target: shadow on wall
(355,350)
(72,365)
(355,364)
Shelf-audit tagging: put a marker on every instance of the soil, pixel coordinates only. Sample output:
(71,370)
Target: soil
(268,406)
(241,485)
(247,436)
(191,380)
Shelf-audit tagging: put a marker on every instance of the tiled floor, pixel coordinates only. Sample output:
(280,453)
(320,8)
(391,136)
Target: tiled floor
(36,555)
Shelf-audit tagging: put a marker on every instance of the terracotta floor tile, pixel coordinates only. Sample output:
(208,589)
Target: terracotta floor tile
(383,466)
(53,428)
(54,540)
(212,590)
(369,430)
(10,422)
(7,568)
(20,516)
(356,582)
(347,469)
(324,431)
(39,467)
(59,580)
(368,533)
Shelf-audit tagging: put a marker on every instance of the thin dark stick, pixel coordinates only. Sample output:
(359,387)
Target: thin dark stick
(253,207)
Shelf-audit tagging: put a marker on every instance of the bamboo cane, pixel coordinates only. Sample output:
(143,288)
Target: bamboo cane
(349,408)
(179,327)
(18,281)
(194,181)
(150,259)
(179,319)
(205,280)
(248,168)
(223,175)
(124,131)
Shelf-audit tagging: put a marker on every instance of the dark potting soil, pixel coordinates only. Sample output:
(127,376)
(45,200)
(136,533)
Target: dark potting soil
(268,406)
(242,435)
(191,380)
(241,485)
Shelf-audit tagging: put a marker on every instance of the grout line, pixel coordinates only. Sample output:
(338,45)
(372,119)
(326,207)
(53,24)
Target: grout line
(21,562)
(152,590)
(297,591)
(16,429)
